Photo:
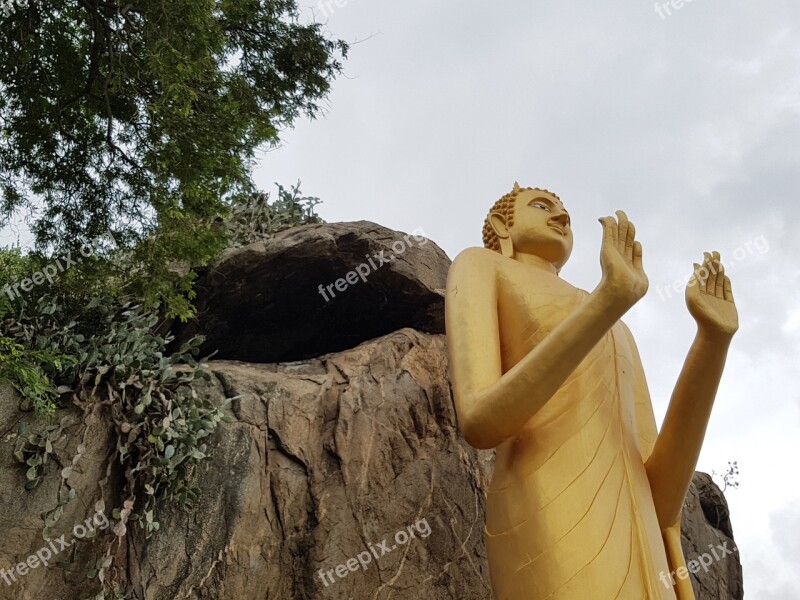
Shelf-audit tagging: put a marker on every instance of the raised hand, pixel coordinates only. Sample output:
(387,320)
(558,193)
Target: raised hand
(621,260)
(710,298)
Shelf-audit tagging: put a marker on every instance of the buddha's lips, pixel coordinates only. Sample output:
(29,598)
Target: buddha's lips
(558,229)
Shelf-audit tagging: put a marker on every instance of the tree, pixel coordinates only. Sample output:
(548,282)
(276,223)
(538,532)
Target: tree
(141,118)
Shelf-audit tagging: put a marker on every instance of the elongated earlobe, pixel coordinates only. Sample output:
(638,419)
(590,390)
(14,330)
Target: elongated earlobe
(506,247)
(500,228)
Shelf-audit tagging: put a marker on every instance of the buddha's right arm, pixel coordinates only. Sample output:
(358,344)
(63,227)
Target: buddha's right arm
(491,405)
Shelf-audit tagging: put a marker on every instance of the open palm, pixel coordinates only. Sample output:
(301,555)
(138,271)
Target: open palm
(621,259)
(709,297)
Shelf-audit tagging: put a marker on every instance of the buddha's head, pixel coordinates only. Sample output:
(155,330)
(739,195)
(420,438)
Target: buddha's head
(529,221)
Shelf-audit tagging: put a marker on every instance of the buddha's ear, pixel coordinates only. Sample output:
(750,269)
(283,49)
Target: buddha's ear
(498,223)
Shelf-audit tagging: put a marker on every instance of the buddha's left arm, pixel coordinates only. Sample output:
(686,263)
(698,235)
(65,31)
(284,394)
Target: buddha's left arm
(671,465)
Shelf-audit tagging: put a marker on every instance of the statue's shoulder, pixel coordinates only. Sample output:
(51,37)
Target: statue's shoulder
(471,281)
(477,259)
(473,267)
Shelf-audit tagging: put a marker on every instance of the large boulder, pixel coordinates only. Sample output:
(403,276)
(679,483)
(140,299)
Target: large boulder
(317,289)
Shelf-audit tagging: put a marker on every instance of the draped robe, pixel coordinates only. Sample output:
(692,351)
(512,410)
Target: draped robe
(570,515)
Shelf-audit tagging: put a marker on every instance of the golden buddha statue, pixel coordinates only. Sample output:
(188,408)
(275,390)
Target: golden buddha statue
(586,497)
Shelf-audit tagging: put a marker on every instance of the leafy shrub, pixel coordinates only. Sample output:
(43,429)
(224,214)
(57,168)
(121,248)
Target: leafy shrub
(117,358)
(160,423)
(28,369)
(25,370)
(256,218)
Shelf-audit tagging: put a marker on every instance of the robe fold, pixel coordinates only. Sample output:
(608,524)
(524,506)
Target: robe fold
(570,515)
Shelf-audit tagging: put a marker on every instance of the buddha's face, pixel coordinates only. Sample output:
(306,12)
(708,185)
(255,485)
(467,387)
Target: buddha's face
(541,226)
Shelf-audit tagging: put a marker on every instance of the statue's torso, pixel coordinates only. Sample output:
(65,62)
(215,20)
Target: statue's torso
(570,513)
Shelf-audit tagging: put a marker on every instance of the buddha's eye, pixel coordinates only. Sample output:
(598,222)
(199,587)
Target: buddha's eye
(540,205)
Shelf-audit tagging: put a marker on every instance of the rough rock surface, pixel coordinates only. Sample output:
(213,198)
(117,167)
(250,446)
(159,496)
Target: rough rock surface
(706,532)
(262,303)
(324,458)
(20,521)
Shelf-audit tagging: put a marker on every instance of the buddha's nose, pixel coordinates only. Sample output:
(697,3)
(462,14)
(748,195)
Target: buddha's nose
(561,218)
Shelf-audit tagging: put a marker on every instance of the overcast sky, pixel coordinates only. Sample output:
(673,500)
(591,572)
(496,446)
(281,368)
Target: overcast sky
(690,123)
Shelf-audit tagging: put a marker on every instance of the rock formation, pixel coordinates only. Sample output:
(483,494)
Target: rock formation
(706,532)
(327,458)
(277,301)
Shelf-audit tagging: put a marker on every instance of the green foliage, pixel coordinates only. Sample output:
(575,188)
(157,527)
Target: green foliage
(28,369)
(255,218)
(13,266)
(35,450)
(161,421)
(60,330)
(143,118)
(116,359)
(25,370)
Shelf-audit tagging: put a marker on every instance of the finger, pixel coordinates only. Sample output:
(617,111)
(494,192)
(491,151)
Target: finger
(692,283)
(637,256)
(622,230)
(609,230)
(629,241)
(718,287)
(713,267)
(700,276)
(711,280)
(727,290)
